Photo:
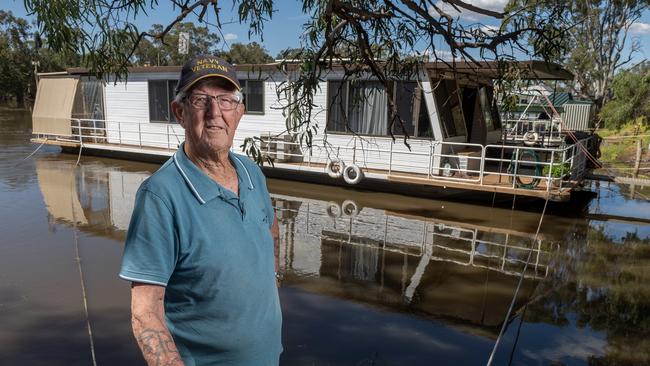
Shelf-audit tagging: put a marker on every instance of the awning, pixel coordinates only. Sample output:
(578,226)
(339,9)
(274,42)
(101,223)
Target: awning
(53,107)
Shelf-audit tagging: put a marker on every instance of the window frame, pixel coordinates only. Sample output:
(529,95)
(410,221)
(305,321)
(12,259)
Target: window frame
(168,83)
(244,86)
(346,88)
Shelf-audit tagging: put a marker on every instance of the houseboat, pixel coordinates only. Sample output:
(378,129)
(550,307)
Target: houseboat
(456,146)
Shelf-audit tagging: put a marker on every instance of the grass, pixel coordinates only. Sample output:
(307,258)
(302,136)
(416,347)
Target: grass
(619,146)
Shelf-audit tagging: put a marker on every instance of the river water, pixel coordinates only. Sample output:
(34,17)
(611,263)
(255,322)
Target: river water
(369,278)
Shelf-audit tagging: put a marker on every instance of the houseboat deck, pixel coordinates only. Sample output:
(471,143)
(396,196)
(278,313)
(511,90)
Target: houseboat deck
(482,180)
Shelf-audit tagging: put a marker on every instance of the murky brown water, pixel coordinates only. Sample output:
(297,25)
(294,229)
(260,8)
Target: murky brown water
(370,279)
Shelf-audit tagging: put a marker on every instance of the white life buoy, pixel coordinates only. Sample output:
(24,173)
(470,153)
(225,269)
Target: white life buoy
(352,174)
(350,208)
(531,138)
(333,210)
(334,168)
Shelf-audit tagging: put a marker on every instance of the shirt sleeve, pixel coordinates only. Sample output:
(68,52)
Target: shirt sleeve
(150,250)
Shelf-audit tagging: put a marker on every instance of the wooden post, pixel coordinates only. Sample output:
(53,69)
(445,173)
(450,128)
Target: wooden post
(637,161)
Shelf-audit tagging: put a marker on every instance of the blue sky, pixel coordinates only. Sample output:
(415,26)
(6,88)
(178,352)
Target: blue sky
(286,25)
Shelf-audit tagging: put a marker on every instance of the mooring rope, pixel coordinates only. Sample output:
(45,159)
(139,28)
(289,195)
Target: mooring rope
(521,279)
(32,154)
(81,146)
(81,279)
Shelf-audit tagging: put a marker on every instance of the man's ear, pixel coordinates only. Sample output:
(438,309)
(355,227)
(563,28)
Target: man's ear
(177,109)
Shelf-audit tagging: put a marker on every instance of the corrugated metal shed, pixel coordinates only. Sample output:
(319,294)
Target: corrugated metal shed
(578,116)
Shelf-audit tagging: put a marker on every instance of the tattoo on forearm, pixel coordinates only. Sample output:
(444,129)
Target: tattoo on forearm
(158,348)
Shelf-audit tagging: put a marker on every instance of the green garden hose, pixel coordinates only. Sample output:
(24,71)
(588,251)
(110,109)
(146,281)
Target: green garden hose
(532,156)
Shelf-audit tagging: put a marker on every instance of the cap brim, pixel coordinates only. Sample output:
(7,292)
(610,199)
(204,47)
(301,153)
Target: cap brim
(212,76)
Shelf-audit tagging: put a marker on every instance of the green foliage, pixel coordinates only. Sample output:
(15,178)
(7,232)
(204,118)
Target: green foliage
(252,53)
(164,52)
(621,150)
(631,99)
(16,55)
(557,170)
(289,54)
(594,37)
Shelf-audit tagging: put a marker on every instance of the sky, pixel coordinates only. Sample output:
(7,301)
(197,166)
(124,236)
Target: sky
(285,27)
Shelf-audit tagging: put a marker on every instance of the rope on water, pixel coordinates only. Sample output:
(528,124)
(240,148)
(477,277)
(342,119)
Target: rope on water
(81,146)
(514,296)
(84,296)
(33,152)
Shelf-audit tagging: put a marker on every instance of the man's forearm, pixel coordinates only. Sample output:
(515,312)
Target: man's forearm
(155,341)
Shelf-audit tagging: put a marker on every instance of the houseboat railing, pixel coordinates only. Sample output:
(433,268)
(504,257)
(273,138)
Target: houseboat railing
(540,132)
(519,166)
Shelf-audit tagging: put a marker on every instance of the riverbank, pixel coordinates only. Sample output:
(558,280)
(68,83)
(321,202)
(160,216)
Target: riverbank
(619,150)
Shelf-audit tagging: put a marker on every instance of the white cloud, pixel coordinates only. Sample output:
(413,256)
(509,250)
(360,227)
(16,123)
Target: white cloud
(493,5)
(444,55)
(640,28)
(489,29)
(230,36)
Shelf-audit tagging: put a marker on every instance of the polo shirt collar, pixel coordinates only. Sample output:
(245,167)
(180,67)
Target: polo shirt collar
(200,184)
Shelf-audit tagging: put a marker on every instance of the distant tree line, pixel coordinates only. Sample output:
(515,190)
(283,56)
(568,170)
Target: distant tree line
(22,53)
(630,99)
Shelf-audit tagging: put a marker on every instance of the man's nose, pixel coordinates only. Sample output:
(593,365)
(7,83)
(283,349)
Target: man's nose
(213,107)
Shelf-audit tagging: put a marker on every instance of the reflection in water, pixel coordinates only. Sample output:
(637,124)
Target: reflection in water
(451,272)
(406,263)
(370,278)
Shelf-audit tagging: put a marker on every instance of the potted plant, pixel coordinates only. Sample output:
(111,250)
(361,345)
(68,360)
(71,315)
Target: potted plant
(558,171)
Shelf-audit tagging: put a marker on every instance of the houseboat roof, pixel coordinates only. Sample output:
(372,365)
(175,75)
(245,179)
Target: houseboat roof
(538,70)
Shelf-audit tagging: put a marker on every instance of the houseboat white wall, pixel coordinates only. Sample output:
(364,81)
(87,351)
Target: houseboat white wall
(128,122)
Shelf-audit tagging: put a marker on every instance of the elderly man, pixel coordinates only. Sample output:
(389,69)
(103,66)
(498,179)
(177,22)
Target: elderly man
(200,247)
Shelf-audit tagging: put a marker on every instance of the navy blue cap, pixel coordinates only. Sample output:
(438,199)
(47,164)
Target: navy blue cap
(206,66)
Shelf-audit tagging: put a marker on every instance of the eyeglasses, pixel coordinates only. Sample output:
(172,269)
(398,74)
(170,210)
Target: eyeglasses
(226,102)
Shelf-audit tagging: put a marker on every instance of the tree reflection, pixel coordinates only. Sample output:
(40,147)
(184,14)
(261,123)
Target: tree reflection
(604,283)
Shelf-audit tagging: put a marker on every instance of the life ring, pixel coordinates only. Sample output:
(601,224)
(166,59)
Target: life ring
(448,168)
(352,174)
(350,208)
(334,168)
(333,210)
(531,138)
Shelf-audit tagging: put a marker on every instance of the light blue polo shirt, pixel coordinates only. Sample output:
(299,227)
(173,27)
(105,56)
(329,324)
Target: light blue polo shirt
(214,253)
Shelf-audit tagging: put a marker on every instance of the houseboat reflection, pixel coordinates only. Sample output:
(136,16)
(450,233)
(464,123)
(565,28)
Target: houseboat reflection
(439,260)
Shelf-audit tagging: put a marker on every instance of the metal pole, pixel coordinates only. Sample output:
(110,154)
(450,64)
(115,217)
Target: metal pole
(637,161)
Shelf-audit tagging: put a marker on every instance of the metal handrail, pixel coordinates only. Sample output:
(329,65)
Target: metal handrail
(477,157)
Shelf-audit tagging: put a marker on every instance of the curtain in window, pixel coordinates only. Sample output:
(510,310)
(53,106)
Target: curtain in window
(368,108)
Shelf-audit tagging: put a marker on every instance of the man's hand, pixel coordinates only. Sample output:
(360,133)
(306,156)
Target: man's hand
(147,320)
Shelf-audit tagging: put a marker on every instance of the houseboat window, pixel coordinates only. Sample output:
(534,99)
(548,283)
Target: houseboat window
(161,93)
(411,108)
(365,104)
(89,99)
(337,100)
(491,117)
(447,95)
(253,91)
(367,108)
